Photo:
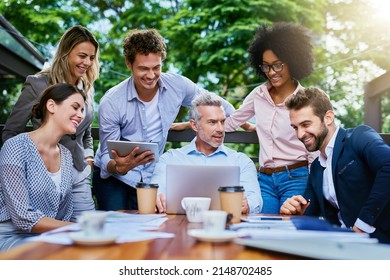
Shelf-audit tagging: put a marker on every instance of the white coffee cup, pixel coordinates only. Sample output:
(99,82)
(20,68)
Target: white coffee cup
(214,220)
(92,222)
(194,206)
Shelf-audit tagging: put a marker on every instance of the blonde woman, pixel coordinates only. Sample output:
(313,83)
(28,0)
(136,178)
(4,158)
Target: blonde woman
(75,62)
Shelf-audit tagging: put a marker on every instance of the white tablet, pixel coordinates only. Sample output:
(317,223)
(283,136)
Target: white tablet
(123,148)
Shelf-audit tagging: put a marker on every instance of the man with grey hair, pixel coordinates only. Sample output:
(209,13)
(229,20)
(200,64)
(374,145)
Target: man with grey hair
(207,119)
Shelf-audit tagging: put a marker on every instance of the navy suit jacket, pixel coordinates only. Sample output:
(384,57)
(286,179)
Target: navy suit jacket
(361,176)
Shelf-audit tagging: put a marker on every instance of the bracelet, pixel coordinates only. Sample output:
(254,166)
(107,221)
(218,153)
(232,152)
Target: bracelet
(116,170)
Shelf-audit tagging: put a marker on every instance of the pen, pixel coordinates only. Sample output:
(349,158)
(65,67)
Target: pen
(307,201)
(251,227)
(262,218)
(270,218)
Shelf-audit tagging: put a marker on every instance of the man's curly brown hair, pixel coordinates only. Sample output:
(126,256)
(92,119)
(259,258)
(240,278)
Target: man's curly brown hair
(143,41)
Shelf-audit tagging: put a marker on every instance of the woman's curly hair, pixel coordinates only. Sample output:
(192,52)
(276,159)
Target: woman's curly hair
(291,43)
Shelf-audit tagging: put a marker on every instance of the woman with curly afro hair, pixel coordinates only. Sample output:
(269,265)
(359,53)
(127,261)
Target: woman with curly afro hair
(282,53)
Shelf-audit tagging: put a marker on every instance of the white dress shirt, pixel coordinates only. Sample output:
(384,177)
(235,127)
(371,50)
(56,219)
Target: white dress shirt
(328,184)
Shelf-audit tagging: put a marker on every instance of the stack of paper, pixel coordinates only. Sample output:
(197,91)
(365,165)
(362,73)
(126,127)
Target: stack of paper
(309,237)
(128,228)
(278,227)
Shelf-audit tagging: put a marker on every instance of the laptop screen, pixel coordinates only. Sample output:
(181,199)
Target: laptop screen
(198,181)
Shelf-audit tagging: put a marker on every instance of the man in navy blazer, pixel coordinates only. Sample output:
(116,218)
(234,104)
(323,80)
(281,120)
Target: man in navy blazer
(349,183)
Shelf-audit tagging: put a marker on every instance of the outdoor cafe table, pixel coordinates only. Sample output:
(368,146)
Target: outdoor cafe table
(180,247)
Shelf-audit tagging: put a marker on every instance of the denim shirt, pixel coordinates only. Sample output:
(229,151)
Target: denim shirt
(122,116)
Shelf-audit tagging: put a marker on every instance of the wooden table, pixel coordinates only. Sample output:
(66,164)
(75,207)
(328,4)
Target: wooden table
(181,247)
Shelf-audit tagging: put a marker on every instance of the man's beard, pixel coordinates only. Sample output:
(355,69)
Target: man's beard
(319,139)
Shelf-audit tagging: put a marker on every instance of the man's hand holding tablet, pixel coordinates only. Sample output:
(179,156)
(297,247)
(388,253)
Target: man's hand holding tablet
(127,155)
(123,148)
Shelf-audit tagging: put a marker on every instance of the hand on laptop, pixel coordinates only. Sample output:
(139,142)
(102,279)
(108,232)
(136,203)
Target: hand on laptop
(161,203)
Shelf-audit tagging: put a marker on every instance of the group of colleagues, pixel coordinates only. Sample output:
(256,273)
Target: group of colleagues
(307,164)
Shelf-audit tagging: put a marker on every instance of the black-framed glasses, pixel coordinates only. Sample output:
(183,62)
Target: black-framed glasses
(277,67)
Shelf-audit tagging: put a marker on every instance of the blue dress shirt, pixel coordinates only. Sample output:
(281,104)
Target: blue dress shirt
(189,155)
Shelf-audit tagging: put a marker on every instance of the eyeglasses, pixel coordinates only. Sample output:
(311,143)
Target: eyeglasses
(277,67)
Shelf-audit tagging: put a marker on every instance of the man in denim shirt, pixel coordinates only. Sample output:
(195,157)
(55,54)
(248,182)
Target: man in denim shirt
(142,108)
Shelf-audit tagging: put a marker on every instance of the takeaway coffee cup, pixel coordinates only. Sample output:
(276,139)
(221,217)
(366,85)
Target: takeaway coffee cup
(194,206)
(92,222)
(146,198)
(231,200)
(214,220)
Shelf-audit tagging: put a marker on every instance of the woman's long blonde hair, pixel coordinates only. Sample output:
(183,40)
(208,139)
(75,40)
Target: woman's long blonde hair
(59,70)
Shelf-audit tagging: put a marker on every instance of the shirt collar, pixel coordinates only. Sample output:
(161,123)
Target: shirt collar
(268,86)
(191,149)
(80,84)
(133,92)
(328,149)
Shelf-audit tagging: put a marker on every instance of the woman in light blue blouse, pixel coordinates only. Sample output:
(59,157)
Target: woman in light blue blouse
(36,171)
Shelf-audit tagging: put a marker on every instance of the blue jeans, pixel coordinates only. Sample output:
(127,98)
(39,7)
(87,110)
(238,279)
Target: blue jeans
(279,186)
(113,194)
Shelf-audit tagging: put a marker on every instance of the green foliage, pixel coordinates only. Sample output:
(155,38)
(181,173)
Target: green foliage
(386,112)
(42,22)
(8,95)
(48,18)
(359,38)
(361,30)
(208,39)
(117,18)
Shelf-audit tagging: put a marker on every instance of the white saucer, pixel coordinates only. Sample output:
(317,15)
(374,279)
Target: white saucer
(80,238)
(222,236)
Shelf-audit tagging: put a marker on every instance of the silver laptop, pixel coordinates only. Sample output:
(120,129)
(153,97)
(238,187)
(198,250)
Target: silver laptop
(198,180)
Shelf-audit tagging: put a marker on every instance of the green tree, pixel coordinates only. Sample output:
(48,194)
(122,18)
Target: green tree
(49,20)
(207,40)
(357,39)
(113,19)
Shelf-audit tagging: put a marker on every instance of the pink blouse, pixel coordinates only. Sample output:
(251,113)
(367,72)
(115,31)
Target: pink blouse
(279,145)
